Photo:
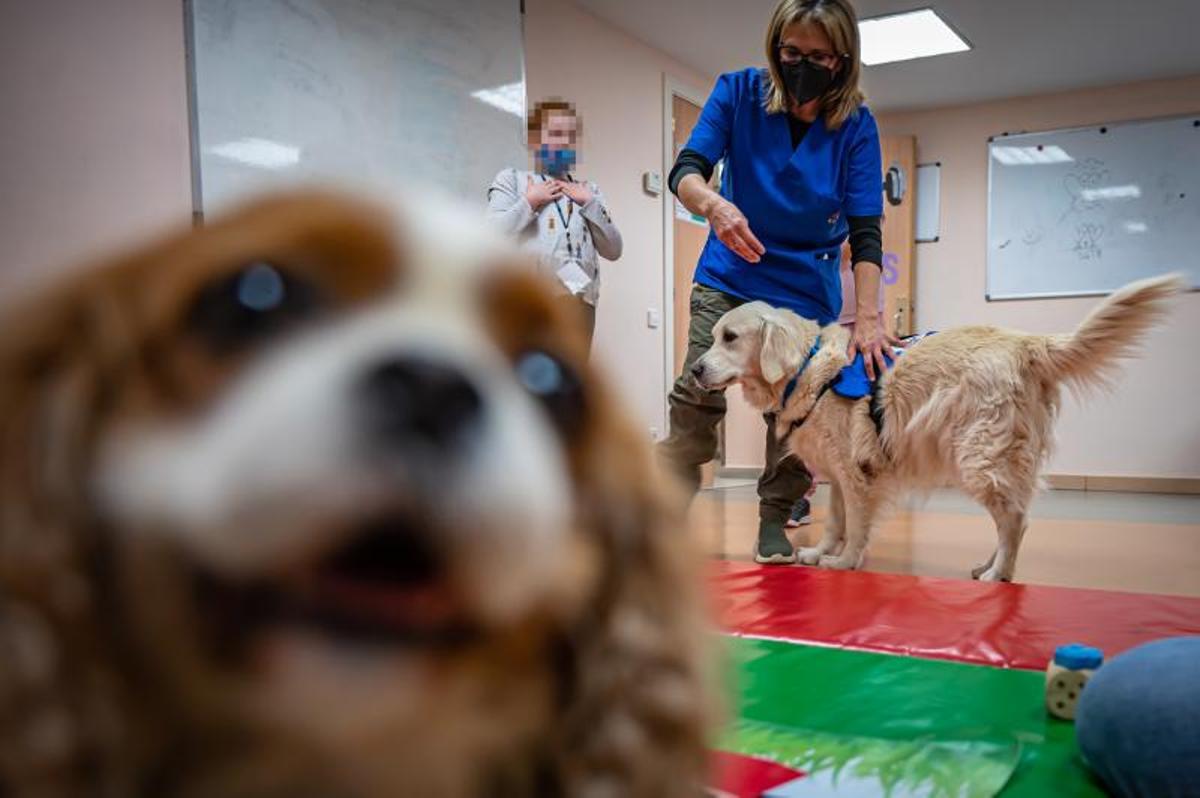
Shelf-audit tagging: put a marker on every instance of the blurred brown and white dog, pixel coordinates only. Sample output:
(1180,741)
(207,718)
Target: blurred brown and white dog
(322,500)
(972,407)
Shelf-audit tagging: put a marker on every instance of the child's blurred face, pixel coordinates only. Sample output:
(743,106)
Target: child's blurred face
(559,131)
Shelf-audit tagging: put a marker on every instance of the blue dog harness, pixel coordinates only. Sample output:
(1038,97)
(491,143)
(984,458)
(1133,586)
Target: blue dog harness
(851,382)
(791,385)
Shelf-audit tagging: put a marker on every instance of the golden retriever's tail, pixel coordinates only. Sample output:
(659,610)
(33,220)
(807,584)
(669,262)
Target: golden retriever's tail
(1087,358)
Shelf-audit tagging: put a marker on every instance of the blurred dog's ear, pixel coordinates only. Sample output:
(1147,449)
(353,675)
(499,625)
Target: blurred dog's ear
(779,356)
(640,676)
(53,367)
(54,355)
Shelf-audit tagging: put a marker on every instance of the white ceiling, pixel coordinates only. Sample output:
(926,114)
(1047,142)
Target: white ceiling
(1020,47)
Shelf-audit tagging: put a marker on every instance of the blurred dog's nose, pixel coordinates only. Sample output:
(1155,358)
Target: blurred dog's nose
(698,370)
(411,399)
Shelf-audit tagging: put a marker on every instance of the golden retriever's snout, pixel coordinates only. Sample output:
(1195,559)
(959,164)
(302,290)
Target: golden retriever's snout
(701,376)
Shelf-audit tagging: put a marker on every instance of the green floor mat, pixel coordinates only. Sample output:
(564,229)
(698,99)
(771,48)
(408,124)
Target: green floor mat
(871,766)
(950,726)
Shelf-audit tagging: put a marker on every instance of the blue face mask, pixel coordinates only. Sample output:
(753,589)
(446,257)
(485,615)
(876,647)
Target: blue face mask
(556,161)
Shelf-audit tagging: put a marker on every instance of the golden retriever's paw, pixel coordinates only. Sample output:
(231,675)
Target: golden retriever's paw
(837,562)
(808,556)
(993,575)
(983,567)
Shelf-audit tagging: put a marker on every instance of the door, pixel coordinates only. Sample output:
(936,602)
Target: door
(741,433)
(899,233)
(690,233)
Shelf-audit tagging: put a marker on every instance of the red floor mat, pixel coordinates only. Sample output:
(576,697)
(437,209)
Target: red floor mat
(738,776)
(1006,625)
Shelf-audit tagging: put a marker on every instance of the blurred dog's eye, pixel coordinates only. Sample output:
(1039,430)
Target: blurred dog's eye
(250,305)
(555,385)
(729,337)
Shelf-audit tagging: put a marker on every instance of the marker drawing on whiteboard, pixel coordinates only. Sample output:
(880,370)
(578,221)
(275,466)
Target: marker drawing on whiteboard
(1087,241)
(1090,173)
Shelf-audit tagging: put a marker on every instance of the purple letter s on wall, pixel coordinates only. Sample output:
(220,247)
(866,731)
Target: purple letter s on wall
(890,273)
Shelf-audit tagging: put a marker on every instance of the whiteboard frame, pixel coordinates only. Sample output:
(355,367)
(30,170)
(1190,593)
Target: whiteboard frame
(987,265)
(193,110)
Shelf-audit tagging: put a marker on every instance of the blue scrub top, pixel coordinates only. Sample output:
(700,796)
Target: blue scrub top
(795,199)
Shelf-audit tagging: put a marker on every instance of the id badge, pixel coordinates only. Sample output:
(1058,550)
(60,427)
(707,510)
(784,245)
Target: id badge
(574,277)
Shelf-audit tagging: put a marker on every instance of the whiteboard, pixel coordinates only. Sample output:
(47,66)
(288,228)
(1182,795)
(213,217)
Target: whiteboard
(1084,211)
(929,202)
(377,94)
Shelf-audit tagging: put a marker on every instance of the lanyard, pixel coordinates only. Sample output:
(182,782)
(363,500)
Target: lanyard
(566,220)
(575,251)
(570,208)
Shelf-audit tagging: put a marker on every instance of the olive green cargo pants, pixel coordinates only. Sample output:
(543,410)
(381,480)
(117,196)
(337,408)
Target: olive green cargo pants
(696,412)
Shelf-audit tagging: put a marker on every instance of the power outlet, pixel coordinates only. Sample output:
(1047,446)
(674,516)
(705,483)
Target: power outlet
(652,183)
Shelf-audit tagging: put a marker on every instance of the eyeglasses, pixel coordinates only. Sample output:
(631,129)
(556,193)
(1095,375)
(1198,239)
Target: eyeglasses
(793,55)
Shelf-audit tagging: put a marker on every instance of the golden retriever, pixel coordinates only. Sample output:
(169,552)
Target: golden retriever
(322,499)
(971,406)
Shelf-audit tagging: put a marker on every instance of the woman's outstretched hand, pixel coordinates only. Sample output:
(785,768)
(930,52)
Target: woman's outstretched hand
(733,230)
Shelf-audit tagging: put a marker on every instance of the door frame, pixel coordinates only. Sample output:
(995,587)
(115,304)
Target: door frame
(672,87)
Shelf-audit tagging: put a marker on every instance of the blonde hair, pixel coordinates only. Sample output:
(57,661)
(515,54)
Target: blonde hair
(839,22)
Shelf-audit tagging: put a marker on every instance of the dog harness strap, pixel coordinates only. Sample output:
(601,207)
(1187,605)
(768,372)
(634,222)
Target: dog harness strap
(800,421)
(791,384)
(876,407)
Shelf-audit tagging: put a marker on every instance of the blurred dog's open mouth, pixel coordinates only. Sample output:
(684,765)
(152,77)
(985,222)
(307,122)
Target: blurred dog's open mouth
(386,584)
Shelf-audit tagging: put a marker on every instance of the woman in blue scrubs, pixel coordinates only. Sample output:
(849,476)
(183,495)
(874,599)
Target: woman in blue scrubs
(802,173)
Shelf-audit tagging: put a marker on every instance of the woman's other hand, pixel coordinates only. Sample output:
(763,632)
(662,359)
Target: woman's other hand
(539,193)
(872,340)
(579,193)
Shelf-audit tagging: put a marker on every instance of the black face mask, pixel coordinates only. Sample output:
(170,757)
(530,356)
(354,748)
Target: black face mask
(806,81)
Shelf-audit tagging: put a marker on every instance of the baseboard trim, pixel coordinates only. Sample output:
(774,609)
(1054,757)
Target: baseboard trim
(1183,485)
(1065,481)
(1180,485)
(738,472)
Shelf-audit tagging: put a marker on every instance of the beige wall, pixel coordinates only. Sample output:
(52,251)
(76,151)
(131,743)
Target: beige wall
(93,128)
(616,82)
(94,145)
(1149,426)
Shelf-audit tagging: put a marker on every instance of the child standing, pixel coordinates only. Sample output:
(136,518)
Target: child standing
(561,219)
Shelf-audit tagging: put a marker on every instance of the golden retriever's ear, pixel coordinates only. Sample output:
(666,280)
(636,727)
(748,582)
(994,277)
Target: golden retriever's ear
(779,356)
